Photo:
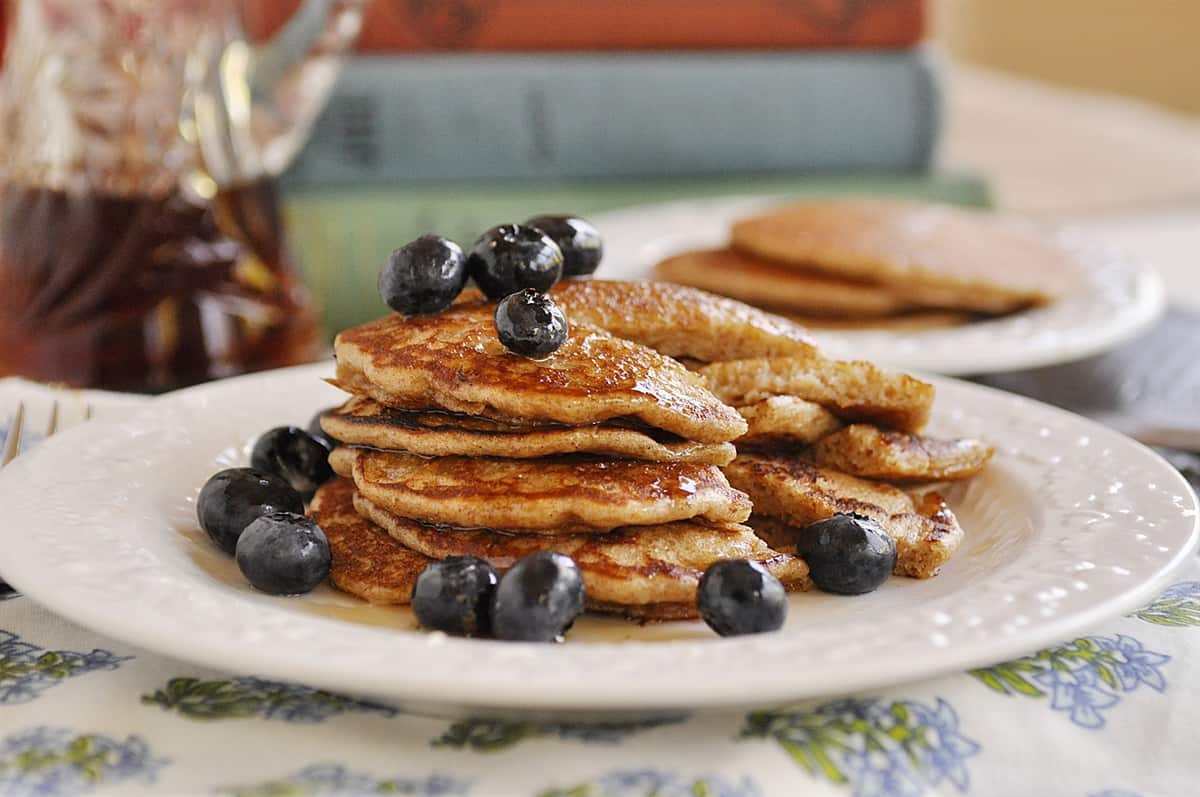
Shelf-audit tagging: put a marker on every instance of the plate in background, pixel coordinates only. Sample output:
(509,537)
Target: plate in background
(1071,524)
(1118,296)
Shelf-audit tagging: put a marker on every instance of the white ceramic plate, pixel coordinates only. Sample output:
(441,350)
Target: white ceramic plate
(1072,523)
(1117,298)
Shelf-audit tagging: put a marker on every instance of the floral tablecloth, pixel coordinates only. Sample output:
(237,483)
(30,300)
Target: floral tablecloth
(1115,713)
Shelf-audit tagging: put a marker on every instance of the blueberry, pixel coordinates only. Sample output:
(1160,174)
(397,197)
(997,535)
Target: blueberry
(284,553)
(530,324)
(577,238)
(737,596)
(455,596)
(538,599)
(424,276)
(294,454)
(513,257)
(321,436)
(847,554)
(234,498)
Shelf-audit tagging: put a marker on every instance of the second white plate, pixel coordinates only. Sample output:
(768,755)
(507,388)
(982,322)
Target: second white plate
(1117,297)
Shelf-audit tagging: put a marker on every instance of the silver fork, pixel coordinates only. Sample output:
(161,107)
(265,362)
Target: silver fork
(12,447)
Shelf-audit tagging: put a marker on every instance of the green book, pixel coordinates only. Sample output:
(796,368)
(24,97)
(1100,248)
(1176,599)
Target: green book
(342,235)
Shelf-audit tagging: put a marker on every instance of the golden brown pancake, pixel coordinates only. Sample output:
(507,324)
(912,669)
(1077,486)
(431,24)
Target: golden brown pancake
(679,321)
(548,496)
(873,453)
(853,390)
(782,289)
(964,259)
(799,493)
(648,572)
(455,361)
(786,420)
(367,562)
(365,422)
(915,321)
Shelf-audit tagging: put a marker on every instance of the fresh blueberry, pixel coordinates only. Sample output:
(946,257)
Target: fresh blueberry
(232,499)
(321,436)
(455,595)
(512,257)
(424,276)
(538,599)
(577,238)
(294,454)
(530,324)
(737,596)
(847,554)
(284,554)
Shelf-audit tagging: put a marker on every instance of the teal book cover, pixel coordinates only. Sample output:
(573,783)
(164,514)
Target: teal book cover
(469,117)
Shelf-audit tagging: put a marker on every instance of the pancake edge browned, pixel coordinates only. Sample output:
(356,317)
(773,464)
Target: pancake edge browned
(367,562)
(663,580)
(602,503)
(389,431)
(374,360)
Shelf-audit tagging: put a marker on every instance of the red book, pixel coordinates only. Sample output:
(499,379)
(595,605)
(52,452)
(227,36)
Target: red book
(490,25)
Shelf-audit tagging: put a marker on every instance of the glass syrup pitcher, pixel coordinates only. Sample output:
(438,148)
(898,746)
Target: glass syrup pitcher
(141,243)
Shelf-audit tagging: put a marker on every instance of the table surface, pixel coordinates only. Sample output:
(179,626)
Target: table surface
(1115,713)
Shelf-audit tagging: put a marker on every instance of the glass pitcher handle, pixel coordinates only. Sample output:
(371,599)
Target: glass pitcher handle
(256,102)
(291,75)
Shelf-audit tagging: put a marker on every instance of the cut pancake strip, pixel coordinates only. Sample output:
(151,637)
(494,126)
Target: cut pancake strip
(455,361)
(365,422)
(653,567)
(559,496)
(799,493)
(786,420)
(853,390)
(679,321)
(367,562)
(873,453)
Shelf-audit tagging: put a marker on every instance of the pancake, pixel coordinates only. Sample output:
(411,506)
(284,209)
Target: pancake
(648,572)
(365,422)
(957,258)
(367,562)
(679,321)
(342,459)
(455,361)
(799,493)
(916,321)
(779,288)
(786,420)
(873,453)
(856,391)
(548,496)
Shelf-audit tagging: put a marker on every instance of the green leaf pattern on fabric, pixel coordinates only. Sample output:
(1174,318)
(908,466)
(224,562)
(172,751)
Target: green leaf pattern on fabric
(875,746)
(327,780)
(1179,606)
(255,697)
(488,736)
(48,762)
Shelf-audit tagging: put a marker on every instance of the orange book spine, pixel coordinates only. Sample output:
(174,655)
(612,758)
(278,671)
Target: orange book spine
(541,25)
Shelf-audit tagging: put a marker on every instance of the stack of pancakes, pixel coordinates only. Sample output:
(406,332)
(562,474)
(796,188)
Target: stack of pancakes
(633,448)
(878,264)
(607,451)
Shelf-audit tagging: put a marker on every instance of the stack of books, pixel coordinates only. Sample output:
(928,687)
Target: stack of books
(495,90)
